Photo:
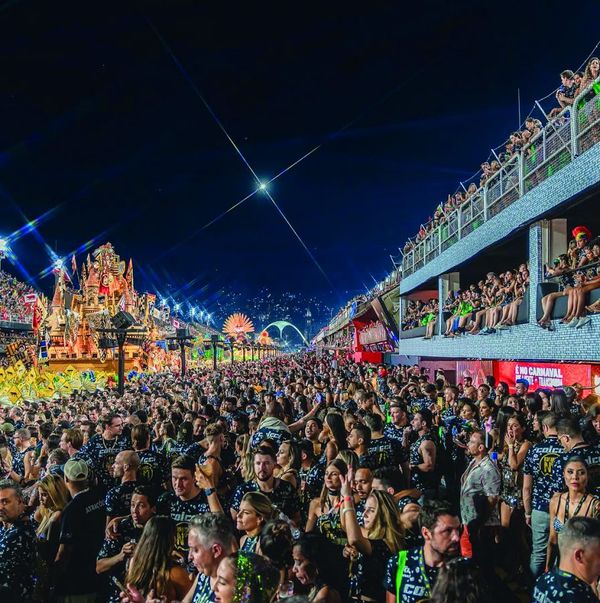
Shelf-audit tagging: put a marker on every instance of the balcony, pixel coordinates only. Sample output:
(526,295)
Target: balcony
(572,133)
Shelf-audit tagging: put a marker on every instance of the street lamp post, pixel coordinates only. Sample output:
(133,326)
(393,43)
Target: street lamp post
(214,340)
(182,336)
(122,323)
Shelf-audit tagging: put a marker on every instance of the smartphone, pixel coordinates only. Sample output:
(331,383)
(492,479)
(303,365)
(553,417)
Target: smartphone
(120,585)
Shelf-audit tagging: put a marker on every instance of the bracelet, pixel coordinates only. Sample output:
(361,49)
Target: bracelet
(209,491)
(348,499)
(347,509)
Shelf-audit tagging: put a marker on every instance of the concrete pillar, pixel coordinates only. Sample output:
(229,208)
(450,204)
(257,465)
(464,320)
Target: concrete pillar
(536,264)
(446,283)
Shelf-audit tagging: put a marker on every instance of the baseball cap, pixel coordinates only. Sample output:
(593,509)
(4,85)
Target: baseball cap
(76,470)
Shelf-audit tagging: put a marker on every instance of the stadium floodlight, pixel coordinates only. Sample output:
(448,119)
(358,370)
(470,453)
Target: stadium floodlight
(59,264)
(176,307)
(262,186)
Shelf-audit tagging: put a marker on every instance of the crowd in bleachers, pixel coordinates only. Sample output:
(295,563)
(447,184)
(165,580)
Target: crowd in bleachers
(572,85)
(578,273)
(12,299)
(483,308)
(490,305)
(420,313)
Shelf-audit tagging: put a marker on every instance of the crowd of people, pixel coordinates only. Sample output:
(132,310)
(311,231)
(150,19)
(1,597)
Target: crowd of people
(490,305)
(577,273)
(571,86)
(13,305)
(419,313)
(483,308)
(303,477)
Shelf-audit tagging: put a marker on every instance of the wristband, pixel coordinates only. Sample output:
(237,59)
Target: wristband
(348,499)
(209,491)
(347,509)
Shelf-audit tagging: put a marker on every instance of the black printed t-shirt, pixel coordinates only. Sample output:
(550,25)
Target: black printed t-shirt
(127,533)
(415,587)
(283,496)
(182,512)
(17,559)
(386,452)
(118,499)
(101,454)
(82,529)
(154,469)
(562,587)
(539,463)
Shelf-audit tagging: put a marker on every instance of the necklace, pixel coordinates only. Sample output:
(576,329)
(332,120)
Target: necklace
(577,508)
(114,443)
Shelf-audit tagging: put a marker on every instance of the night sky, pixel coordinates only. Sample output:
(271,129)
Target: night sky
(406,99)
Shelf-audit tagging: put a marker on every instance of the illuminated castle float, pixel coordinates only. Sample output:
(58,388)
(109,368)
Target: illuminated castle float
(86,301)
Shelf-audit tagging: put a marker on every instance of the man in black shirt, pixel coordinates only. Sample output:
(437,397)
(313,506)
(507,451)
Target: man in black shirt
(124,470)
(153,469)
(102,449)
(185,501)
(411,574)
(116,552)
(575,577)
(281,493)
(17,546)
(81,536)
(359,440)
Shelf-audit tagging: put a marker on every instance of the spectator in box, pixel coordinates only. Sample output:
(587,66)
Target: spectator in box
(566,92)
(591,74)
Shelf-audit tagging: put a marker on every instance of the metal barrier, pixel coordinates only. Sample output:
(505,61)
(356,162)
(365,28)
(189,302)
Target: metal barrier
(573,132)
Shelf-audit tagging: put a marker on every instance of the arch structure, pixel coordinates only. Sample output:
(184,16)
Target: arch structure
(282,324)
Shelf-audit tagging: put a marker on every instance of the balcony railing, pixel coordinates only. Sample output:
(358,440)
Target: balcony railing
(573,132)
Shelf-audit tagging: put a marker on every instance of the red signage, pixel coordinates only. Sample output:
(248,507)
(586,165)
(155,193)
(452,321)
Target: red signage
(543,374)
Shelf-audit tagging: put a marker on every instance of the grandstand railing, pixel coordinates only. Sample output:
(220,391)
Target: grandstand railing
(574,131)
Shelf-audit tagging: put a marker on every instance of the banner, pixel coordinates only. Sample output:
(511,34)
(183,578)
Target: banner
(543,374)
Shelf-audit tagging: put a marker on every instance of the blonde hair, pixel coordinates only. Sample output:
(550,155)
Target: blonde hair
(386,525)
(261,504)
(6,459)
(59,496)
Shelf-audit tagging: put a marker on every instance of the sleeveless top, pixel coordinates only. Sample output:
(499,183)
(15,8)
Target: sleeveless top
(330,525)
(586,498)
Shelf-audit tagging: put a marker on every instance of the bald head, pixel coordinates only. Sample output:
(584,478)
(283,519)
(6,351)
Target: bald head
(126,465)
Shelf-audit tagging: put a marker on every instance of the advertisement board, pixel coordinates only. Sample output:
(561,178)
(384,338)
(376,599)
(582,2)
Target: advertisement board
(543,374)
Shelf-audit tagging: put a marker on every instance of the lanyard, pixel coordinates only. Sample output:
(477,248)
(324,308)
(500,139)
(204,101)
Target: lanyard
(423,573)
(402,556)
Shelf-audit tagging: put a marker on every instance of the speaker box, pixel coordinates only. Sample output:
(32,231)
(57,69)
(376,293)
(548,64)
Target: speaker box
(182,332)
(122,320)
